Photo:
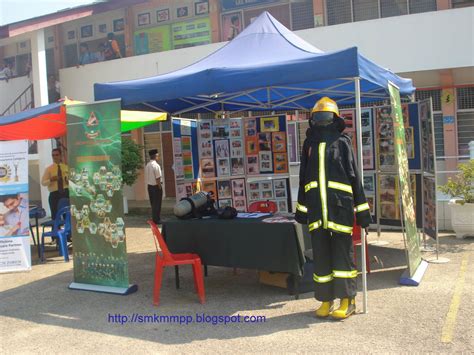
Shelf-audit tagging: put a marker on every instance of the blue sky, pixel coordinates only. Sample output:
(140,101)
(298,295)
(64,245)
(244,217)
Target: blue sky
(18,10)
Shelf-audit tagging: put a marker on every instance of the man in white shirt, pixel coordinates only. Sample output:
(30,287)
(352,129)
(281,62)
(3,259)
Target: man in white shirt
(153,180)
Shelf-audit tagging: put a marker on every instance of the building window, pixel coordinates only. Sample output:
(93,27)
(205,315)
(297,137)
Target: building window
(338,11)
(152,128)
(439,135)
(343,11)
(390,8)
(365,9)
(166,126)
(465,119)
(462,3)
(465,122)
(417,6)
(426,94)
(302,15)
(465,98)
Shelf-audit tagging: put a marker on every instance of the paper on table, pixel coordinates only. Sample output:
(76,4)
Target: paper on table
(252,215)
(278,219)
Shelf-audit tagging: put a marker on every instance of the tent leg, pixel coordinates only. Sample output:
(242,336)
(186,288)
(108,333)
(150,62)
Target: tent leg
(358,122)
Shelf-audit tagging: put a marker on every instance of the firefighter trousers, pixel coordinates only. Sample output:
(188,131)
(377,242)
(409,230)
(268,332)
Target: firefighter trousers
(335,274)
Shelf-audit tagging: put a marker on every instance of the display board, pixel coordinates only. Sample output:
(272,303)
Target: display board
(368,151)
(266,145)
(95,190)
(152,40)
(430,220)
(384,133)
(401,152)
(191,33)
(15,252)
(276,190)
(186,157)
(231,153)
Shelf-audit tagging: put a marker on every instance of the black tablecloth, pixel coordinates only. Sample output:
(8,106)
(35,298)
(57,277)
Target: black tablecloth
(241,243)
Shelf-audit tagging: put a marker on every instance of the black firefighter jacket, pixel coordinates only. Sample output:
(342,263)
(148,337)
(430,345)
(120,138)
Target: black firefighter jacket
(330,190)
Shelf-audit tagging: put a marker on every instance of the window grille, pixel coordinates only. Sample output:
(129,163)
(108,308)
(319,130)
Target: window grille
(465,122)
(152,141)
(302,15)
(338,11)
(208,115)
(152,128)
(465,98)
(166,126)
(191,116)
(365,9)
(390,8)
(434,94)
(462,3)
(439,134)
(417,6)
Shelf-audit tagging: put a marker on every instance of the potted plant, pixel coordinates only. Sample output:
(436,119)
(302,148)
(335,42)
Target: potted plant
(461,189)
(132,162)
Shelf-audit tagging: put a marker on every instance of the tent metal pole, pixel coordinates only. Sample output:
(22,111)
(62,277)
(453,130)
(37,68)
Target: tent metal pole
(361,170)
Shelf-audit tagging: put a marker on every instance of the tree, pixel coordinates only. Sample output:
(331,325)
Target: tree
(463,184)
(132,161)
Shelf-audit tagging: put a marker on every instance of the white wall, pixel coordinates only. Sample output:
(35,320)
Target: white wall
(10,91)
(426,41)
(78,83)
(421,42)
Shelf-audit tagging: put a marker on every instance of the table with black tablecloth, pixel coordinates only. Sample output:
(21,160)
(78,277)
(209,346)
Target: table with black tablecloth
(240,243)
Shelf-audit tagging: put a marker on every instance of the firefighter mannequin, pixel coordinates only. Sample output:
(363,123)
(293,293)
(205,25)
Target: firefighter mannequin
(329,195)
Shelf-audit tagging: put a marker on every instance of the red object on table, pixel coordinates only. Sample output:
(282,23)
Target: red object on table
(263,207)
(356,240)
(166,258)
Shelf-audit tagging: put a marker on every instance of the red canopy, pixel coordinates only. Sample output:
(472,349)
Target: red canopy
(39,123)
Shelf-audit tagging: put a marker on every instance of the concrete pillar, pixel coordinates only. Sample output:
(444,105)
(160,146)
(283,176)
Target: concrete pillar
(58,58)
(129,26)
(214,16)
(448,107)
(318,11)
(40,89)
(443,4)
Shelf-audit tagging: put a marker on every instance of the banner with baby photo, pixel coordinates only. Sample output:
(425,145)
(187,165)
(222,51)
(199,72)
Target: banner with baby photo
(15,252)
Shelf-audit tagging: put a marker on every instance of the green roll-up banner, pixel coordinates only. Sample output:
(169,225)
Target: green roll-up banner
(409,217)
(95,185)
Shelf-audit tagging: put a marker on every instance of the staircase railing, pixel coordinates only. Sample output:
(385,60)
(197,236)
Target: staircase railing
(24,101)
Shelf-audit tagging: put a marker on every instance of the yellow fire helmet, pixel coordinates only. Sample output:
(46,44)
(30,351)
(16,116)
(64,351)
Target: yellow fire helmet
(325,104)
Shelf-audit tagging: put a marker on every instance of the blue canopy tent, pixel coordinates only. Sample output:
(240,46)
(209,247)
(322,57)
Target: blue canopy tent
(266,67)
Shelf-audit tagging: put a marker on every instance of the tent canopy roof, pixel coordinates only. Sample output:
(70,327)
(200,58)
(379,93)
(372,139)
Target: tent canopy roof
(265,67)
(49,121)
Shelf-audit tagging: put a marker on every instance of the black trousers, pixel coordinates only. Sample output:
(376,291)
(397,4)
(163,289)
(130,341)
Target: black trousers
(155,193)
(335,274)
(53,200)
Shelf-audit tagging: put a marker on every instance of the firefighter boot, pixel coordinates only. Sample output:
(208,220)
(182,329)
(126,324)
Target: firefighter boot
(346,309)
(325,309)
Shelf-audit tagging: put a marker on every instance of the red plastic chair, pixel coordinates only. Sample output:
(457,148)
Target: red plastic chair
(166,258)
(263,207)
(357,240)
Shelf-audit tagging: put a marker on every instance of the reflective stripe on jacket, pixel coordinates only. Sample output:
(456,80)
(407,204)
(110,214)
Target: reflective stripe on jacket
(330,189)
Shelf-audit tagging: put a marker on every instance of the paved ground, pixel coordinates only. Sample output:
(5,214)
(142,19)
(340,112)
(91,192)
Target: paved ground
(39,314)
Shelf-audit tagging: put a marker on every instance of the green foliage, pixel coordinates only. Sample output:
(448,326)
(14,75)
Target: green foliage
(132,161)
(463,184)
